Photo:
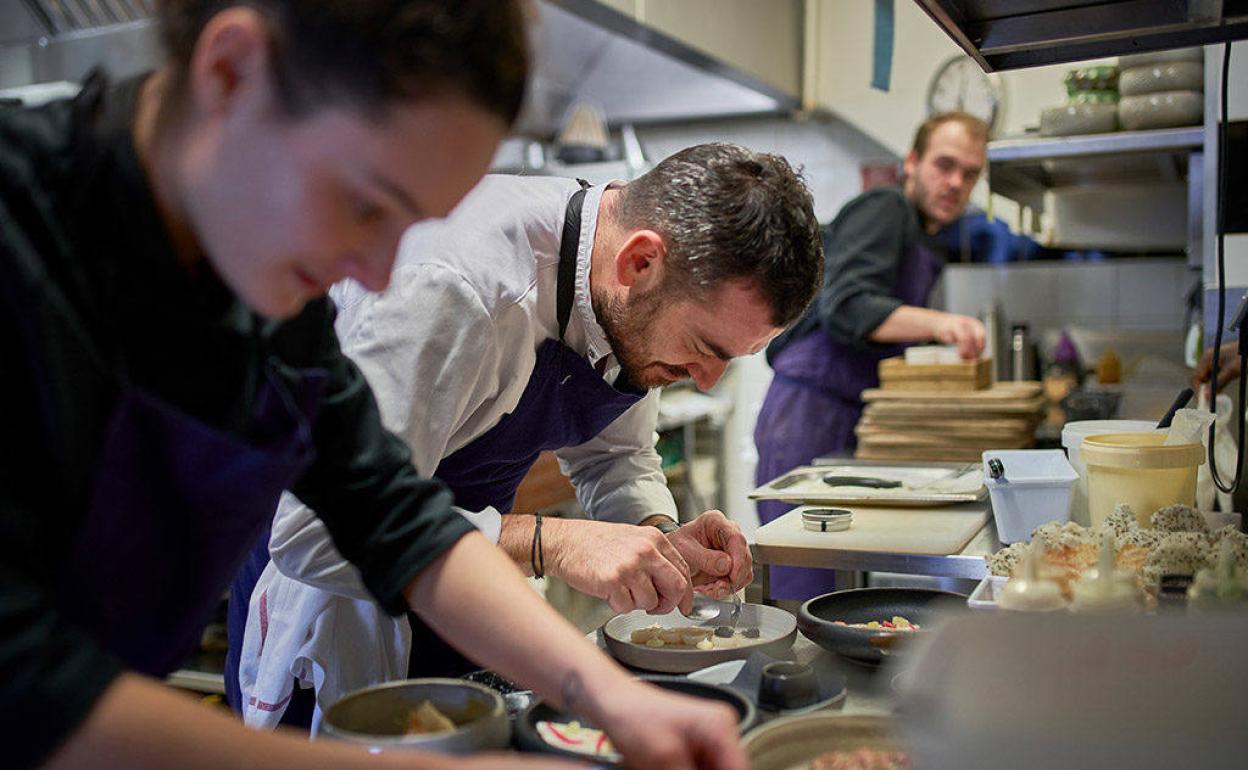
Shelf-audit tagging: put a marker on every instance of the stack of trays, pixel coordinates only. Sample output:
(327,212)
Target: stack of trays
(948,425)
(896,374)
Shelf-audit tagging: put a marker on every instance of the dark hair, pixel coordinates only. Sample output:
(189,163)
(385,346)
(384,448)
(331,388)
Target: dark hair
(727,213)
(370,53)
(977,128)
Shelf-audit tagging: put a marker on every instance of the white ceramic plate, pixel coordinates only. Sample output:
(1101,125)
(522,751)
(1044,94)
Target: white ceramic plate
(777,630)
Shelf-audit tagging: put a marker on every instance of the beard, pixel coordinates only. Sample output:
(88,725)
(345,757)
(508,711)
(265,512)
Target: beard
(627,327)
(926,201)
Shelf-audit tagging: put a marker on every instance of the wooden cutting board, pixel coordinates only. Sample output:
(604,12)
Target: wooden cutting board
(896,374)
(922,454)
(988,408)
(925,432)
(930,531)
(1019,424)
(1002,391)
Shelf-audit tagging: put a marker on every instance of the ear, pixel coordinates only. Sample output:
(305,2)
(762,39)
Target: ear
(910,163)
(230,62)
(641,261)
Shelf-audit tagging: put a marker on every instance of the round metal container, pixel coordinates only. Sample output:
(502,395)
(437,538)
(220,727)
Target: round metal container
(377,716)
(794,741)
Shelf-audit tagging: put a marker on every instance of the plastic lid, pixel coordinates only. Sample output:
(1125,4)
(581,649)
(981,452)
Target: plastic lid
(1139,451)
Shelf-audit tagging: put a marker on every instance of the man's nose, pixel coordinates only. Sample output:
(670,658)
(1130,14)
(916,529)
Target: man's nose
(706,374)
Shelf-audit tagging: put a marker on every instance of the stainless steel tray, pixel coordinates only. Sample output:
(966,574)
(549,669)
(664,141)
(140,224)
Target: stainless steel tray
(920,485)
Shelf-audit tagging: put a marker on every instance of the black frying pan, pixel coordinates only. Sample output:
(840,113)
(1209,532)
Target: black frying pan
(816,617)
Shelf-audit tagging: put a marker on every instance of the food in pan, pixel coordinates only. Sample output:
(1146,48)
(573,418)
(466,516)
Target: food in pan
(571,736)
(1179,542)
(425,719)
(862,759)
(898,623)
(692,637)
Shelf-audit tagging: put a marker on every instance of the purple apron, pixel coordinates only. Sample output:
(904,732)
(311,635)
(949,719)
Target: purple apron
(813,406)
(174,507)
(565,403)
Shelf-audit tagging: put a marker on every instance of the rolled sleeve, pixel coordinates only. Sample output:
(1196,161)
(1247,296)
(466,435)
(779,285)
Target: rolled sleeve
(864,253)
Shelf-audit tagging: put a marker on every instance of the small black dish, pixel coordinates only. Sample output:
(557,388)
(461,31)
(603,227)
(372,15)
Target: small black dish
(527,738)
(787,685)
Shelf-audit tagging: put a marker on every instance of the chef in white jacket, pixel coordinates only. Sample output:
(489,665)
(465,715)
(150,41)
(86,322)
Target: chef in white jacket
(542,315)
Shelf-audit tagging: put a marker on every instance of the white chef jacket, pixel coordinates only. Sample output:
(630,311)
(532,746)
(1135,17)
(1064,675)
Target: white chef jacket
(448,350)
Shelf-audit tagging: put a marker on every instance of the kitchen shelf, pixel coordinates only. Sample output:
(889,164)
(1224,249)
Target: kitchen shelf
(1010,34)
(1024,168)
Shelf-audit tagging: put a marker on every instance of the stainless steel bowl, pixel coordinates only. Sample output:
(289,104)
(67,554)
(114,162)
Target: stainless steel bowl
(377,716)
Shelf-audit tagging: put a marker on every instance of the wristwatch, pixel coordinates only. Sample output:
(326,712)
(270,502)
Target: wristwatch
(666,526)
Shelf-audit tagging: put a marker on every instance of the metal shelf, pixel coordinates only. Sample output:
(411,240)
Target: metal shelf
(1024,168)
(1009,34)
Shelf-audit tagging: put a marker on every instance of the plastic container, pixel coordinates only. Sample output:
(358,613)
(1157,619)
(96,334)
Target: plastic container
(1072,439)
(1139,470)
(1035,490)
(984,597)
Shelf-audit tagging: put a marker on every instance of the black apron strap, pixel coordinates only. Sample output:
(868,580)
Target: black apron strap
(566,282)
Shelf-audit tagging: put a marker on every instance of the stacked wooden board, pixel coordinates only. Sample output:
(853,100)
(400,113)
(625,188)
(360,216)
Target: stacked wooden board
(896,374)
(950,425)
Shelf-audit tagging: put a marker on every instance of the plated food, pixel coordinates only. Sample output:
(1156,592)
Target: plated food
(693,637)
(898,623)
(572,736)
(1179,542)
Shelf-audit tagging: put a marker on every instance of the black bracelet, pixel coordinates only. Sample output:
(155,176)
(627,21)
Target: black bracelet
(537,559)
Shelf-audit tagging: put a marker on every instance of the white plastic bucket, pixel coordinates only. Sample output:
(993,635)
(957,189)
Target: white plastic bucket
(1072,439)
(1035,490)
(1138,469)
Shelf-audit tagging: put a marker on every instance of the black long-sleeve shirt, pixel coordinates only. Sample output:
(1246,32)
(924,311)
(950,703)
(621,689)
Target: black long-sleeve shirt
(863,251)
(90,290)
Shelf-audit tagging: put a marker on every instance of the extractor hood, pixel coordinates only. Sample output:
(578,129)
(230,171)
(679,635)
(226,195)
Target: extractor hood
(584,52)
(1010,34)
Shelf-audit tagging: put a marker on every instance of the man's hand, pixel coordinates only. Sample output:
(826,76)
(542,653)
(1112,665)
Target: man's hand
(630,567)
(961,330)
(653,728)
(1228,366)
(717,554)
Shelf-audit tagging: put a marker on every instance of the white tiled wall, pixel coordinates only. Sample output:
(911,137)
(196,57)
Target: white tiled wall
(1123,294)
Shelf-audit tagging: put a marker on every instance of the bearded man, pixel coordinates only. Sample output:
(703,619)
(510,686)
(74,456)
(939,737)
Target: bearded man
(543,314)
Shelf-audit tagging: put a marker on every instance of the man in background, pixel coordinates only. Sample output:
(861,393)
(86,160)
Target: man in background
(881,261)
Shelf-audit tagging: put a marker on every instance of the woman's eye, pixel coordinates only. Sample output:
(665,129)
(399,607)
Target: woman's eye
(364,211)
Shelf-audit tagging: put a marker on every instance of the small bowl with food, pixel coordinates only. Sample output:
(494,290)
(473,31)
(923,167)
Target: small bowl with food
(447,715)
(543,728)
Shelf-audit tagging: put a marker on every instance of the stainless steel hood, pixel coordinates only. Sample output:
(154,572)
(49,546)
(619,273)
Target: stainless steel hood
(1010,34)
(584,51)
(587,51)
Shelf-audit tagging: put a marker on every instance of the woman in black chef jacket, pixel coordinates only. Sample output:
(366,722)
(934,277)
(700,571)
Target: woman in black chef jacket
(169,366)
